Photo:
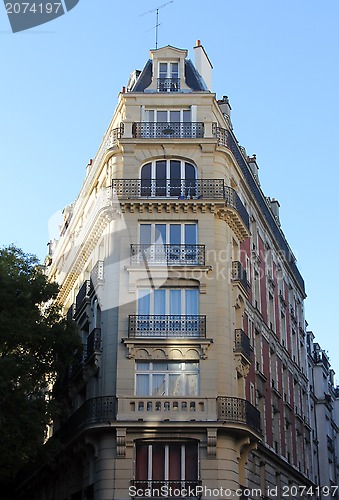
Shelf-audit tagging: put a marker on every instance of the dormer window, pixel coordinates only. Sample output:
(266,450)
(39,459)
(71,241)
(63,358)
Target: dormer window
(169,80)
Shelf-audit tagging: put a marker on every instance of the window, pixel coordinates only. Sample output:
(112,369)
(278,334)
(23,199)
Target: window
(168,301)
(168,178)
(172,244)
(168,80)
(167,379)
(174,465)
(168,116)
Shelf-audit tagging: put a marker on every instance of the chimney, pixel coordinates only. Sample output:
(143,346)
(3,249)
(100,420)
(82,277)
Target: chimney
(203,64)
(252,161)
(225,108)
(275,208)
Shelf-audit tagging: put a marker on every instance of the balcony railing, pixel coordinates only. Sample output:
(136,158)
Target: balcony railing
(197,189)
(222,135)
(167,408)
(167,326)
(170,130)
(93,411)
(239,274)
(168,255)
(242,344)
(164,488)
(239,411)
(83,295)
(168,84)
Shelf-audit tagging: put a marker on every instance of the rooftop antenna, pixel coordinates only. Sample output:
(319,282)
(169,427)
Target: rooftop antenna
(157,19)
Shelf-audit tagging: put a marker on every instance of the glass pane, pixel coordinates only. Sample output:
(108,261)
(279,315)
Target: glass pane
(142,385)
(160,234)
(160,175)
(159,301)
(161,116)
(191,388)
(175,301)
(145,234)
(175,178)
(176,385)
(175,116)
(159,385)
(174,70)
(190,184)
(162,70)
(142,366)
(149,115)
(186,115)
(190,234)
(175,234)
(146,180)
(192,302)
(143,301)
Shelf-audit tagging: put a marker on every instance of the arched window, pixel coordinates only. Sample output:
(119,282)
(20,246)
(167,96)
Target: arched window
(168,178)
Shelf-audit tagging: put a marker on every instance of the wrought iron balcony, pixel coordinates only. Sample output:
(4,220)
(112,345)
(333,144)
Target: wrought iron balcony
(168,255)
(182,189)
(167,326)
(239,275)
(222,135)
(164,488)
(83,295)
(170,130)
(93,411)
(168,84)
(238,411)
(242,344)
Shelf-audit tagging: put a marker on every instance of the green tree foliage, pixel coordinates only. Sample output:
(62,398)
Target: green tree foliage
(36,344)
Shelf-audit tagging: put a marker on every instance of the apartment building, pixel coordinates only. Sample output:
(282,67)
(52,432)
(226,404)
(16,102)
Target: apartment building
(194,379)
(324,415)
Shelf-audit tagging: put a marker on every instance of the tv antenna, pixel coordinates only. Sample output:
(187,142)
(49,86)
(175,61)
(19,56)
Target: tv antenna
(157,24)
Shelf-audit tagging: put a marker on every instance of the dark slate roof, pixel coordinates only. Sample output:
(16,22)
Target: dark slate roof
(144,79)
(193,79)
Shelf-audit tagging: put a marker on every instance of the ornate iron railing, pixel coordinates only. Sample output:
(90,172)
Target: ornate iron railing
(168,84)
(93,411)
(114,135)
(242,343)
(83,294)
(167,326)
(171,130)
(180,189)
(239,411)
(222,135)
(239,274)
(171,255)
(166,488)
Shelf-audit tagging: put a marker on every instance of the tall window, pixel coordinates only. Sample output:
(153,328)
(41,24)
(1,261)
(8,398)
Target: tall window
(158,463)
(168,80)
(168,301)
(166,378)
(172,234)
(168,178)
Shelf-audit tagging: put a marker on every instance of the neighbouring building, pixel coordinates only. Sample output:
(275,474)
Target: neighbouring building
(196,372)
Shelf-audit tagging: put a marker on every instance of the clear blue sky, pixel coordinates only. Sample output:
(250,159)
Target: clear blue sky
(276,60)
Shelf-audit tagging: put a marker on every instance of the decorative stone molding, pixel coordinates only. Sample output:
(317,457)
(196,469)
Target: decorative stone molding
(175,349)
(242,369)
(211,443)
(121,443)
